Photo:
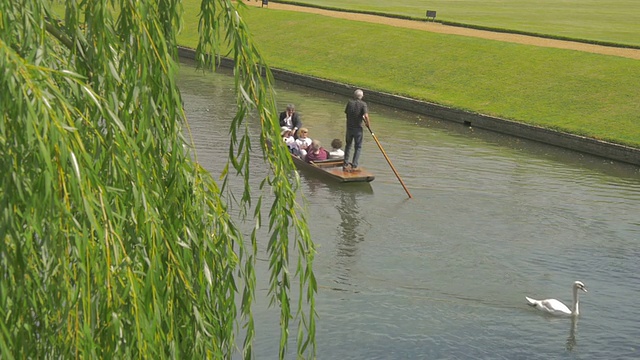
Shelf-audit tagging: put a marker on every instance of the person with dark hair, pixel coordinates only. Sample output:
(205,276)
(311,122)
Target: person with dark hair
(336,149)
(291,119)
(357,112)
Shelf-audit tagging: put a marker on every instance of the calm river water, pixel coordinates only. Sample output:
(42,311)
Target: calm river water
(444,275)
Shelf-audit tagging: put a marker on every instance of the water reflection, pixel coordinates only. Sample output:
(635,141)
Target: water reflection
(571,340)
(344,212)
(349,229)
(352,227)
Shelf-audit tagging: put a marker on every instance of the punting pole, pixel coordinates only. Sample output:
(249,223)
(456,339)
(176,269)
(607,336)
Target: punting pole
(389,161)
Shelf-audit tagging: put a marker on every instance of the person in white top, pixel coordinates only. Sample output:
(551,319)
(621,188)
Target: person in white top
(287,135)
(336,150)
(303,141)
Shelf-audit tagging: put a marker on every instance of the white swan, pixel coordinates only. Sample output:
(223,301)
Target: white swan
(556,307)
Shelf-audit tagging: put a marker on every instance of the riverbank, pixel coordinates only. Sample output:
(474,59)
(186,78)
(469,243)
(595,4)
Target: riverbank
(566,140)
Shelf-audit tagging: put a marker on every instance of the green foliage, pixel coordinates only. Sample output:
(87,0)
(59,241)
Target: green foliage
(115,242)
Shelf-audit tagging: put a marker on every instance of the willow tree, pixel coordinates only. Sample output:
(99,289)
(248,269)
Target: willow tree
(115,242)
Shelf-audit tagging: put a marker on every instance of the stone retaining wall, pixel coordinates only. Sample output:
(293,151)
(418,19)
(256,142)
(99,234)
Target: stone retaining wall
(556,138)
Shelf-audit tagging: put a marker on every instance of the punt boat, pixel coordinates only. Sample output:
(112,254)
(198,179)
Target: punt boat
(332,169)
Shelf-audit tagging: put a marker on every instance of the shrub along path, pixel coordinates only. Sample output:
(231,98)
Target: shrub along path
(454,30)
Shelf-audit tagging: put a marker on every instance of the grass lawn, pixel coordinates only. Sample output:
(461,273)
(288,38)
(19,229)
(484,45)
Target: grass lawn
(615,21)
(582,93)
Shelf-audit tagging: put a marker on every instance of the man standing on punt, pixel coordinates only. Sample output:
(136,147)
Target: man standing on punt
(357,112)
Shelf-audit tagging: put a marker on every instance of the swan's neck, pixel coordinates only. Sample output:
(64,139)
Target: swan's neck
(576,302)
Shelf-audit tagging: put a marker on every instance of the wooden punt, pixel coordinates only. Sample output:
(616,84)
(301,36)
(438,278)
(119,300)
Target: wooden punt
(332,169)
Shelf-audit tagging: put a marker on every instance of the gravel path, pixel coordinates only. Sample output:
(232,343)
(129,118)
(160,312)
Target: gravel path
(445,29)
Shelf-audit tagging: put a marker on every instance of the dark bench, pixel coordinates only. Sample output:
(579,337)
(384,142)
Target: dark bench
(431,14)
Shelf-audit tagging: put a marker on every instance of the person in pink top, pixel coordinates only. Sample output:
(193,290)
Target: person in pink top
(316,152)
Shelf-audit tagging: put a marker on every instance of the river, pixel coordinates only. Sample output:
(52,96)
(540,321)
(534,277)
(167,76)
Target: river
(444,275)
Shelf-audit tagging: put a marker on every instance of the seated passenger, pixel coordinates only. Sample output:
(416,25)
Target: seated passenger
(336,151)
(294,149)
(316,152)
(303,141)
(291,119)
(287,136)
